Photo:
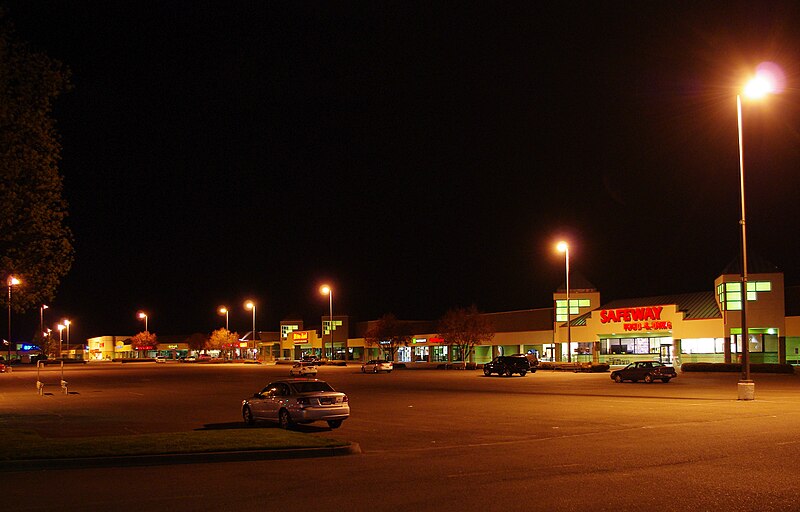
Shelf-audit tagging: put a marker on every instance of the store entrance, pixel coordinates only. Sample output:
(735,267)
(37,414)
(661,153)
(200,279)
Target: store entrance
(665,356)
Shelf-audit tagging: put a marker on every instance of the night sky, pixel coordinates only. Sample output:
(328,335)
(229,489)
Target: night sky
(418,156)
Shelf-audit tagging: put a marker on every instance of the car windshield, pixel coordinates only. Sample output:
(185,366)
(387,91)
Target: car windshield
(310,387)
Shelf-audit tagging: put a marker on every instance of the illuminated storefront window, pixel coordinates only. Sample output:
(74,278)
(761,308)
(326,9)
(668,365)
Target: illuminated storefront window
(326,325)
(633,345)
(730,294)
(575,306)
(286,329)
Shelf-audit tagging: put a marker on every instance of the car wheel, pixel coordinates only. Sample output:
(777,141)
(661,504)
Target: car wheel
(388,371)
(363,370)
(247,416)
(648,378)
(618,378)
(665,380)
(487,372)
(509,373)
(522,373)
(285,419)
(334,423)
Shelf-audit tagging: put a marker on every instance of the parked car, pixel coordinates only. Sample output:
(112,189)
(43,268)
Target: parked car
(161,359)
(310,359)
(203,357)
(2,368)
(508,366)
(292,401)
(647,371)
(302,368)
(377,365)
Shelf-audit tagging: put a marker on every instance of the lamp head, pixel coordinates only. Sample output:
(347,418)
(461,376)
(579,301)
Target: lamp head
(13,281)
(222,310)
(325,289)
(562,246)
(142,314)
(61,327)
(249,304)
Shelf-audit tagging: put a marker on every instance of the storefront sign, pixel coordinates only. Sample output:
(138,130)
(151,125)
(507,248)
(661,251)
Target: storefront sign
(631,314)
(300,338)
(637,319)
(172,347)
(243,344)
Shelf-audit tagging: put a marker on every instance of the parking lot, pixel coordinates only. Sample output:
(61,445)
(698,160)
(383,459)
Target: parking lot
(565,437)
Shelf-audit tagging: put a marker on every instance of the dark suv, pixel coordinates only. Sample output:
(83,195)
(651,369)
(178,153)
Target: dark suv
(508,366)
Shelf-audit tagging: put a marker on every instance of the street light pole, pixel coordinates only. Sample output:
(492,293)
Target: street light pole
(327,290)
(252,305)
(41,317)
(11,281)
(60,330)
(143,316)
(564,247)
(224,311)
(759,86)
(67,323)
(744,378)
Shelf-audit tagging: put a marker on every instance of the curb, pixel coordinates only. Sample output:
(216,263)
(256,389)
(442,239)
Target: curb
(177,458)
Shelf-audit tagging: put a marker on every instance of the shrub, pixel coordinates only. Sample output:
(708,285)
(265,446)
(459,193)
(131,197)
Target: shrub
(737,367)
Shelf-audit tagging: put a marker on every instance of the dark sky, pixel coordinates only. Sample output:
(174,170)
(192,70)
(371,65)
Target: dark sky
(419,156)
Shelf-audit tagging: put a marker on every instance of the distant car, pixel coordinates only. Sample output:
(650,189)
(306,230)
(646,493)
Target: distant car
(310,359)
(647,371)
(508,366)
(2,368)
(377,365)
(188,359)
(292,401)
(161,359)
(302,368)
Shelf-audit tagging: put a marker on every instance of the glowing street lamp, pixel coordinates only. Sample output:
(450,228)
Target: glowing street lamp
(224,311)
(11,282)
(143,316)
(767,81)
(327,290)
(66,324)
(41,317)
(564,247)
(61,328)
(252,306)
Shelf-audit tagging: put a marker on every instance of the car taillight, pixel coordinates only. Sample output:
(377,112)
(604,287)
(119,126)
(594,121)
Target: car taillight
(345,399)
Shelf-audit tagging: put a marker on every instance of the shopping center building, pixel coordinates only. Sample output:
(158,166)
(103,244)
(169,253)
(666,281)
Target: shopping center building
(702,326)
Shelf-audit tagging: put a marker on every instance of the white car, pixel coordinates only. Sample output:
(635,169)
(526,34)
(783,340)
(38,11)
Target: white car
(293,401)
(161,359)
(303,369)
(377,365)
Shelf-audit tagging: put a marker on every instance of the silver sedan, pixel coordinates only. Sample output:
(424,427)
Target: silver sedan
(292,401)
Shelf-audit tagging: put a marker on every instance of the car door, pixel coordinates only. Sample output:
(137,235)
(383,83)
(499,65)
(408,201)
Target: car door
(263,405)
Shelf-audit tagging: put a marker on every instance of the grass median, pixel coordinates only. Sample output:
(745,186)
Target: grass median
(28,445)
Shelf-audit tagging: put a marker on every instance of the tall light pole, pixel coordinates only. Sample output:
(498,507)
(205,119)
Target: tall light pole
(327,290)
(67,323)
(564,247)
(224,311)
(757,87)
(61,328)
(11,282)
(252,306)
(41,317)
(143,316)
